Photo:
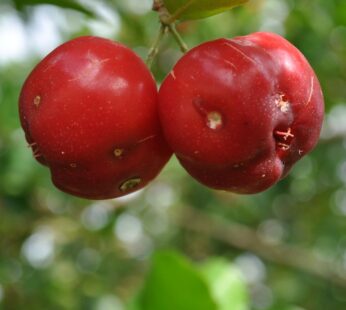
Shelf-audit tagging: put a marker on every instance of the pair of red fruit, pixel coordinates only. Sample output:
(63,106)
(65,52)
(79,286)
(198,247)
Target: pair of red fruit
(237,114)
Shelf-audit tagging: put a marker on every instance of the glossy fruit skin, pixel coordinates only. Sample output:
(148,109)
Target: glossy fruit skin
(89,112)
(239,113)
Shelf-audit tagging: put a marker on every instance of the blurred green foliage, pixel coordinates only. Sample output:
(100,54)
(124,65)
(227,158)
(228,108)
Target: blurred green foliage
(191,9)
(60,252)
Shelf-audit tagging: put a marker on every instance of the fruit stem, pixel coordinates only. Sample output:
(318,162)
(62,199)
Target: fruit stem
(178,38)
(155,47)
(167,23)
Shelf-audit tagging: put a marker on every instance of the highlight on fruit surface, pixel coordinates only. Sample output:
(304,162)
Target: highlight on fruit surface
(238,113)
(89,112)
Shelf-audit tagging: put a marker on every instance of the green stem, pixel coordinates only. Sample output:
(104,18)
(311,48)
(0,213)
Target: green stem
(155,47)
(178,38)
(167,23)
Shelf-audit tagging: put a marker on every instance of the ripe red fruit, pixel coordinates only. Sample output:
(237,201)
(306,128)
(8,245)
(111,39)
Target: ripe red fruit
(89,112)
(239,113)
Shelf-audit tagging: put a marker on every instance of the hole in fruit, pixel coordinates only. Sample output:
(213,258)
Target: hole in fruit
(282,103)
(37,101)
(118,153)
(214,120)
(130,184)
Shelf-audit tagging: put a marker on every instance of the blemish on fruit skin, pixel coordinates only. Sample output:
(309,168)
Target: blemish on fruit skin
(282,103)
(242,53)
(146,139)
(36,153)
(214,120)
(130,184)
(283,146)
(311,91)
(284,134)
(35,149)
(73,165)
(230,63)
(118,152)
(37,101)
(32,144)
(173,75)
(238,165)
(284,139)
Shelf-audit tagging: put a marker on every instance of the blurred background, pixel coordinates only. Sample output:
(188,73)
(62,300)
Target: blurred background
(176,244)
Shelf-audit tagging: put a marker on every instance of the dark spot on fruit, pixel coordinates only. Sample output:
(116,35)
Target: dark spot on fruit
(130,184)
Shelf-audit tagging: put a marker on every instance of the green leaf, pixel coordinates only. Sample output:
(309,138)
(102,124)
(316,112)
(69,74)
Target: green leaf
(195,9)
(227,285)
(66,4)
(173,283)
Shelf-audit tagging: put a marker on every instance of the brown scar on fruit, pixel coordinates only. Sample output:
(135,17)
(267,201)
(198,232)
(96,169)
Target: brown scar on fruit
(130,184)
(285,134)
(146,139)
(282,103)
(37,101)
(173,75)
(283,146)
(118,152)
(73,165)
(242,53)
(311,91)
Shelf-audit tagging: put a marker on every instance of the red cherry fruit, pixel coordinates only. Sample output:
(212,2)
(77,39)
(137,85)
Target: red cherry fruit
(239,113)
(89,112)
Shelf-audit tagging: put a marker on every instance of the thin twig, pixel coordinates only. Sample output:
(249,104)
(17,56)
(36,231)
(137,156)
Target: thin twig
(155,47)
(244,238)
(178,38)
